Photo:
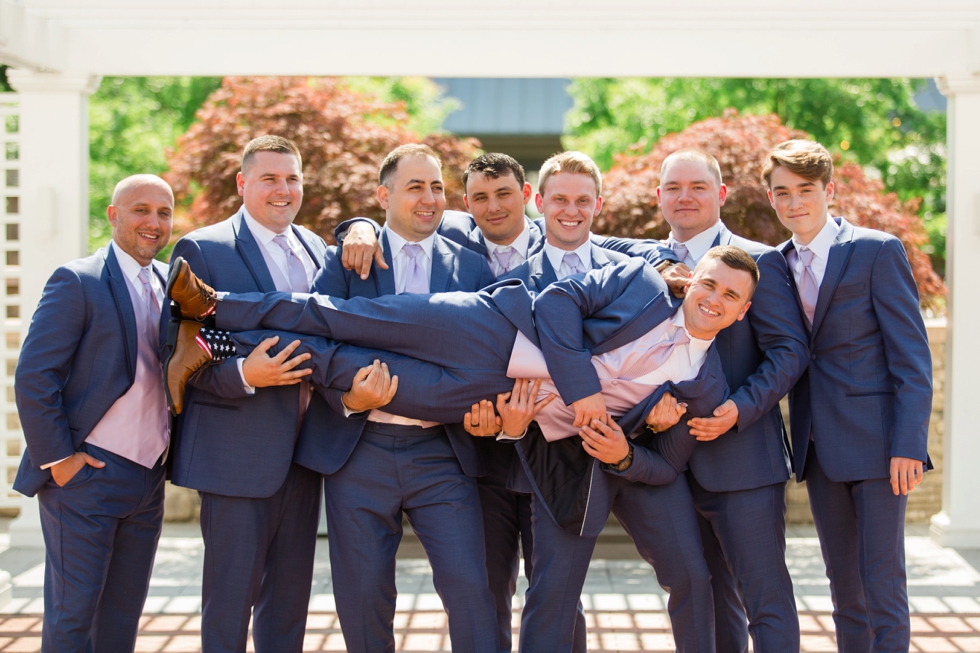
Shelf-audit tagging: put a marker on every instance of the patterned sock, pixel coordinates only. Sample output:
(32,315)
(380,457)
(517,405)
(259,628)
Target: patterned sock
(216,342)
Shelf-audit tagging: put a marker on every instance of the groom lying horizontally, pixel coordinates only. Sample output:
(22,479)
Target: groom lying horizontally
(613,340)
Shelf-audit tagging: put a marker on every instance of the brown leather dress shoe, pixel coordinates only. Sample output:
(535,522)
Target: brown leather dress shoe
(188,355)
(195,298)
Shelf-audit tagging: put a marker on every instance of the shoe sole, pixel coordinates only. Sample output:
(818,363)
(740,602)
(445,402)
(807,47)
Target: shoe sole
(175,266)
(166,386)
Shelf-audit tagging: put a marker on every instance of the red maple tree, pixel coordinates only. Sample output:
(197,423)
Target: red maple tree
(343,137)
(740,144)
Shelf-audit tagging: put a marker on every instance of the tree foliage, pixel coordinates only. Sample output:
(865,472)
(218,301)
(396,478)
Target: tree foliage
(740,145)
(132,120)
(343,136)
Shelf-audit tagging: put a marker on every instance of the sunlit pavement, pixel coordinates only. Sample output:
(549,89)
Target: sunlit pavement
(625,607)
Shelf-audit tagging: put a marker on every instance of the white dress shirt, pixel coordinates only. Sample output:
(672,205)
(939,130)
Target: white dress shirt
(555,256)
(400,260)
(697,246)
(820,246)
(520,246)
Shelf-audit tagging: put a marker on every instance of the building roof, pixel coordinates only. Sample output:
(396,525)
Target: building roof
(507,106)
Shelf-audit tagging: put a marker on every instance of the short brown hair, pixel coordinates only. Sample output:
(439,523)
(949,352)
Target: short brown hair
(494,165)
(390,164)
(694,154)
(276,144)
(736,259)
(573,162)
(808,159)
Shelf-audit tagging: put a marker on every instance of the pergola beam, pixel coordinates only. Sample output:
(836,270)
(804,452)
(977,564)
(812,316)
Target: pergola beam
(31,42)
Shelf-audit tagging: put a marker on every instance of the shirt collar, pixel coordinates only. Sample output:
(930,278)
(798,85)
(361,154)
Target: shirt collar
(520,243)
(698,245)
(697,348)
(130,267)
(823,241)
(555,255)
(396,243)
(265,235)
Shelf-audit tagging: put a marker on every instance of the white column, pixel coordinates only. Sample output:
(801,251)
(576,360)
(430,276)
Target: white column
(958,524)
(54,197)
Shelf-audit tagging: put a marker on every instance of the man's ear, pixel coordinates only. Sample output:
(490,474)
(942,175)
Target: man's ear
(539,202)
(383,194)
(772,202)
(466,202)
(112,215)
(745,309)
(240,182)
(527,193)
(722,194)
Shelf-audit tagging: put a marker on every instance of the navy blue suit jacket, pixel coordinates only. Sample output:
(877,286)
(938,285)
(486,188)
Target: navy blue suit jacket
(222,429)
(537,273)
(327,438)
(763,356)
(79,357)
(867,394)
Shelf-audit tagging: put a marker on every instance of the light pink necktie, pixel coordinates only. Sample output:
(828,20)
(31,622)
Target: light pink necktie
(570,264)
(683,255)
(152,315)
(809,290)
(504,255)
(653,358)
(298,281)
(415,281)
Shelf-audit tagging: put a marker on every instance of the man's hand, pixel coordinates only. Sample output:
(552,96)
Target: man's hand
(373,387)
(665,414)
(518,408)
(588,409)
(906,474)
(361,247)
(677,278)
(709,428)
(263,371)
(605,441)
(481,421)
(67,468)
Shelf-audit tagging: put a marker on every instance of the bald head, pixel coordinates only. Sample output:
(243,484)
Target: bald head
(141,215)
(135,182)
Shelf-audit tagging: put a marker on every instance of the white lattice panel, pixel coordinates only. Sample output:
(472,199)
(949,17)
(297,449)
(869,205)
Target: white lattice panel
(11,436)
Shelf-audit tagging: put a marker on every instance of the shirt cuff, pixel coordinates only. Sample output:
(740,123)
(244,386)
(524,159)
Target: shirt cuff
(503,437)
(50,465)
(241,372)
(347,411)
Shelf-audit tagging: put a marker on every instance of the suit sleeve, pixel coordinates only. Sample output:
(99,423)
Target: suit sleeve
(559,314)
(340,231)
(650,250)
(334,281)
(779,333)
(45,363)
(662,464)
(896,305)
(223,379)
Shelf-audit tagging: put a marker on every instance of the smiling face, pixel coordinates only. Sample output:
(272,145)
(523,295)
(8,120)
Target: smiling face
(141,216)
(569,204)
(690,197)
(717,297)
(271,186)
(416,198)
(800,203)
(497,205)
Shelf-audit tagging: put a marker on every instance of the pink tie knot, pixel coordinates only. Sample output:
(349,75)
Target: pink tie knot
(504,256)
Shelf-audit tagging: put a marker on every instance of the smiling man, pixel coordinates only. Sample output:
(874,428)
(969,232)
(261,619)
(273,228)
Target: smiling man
(237,430)
(92,405)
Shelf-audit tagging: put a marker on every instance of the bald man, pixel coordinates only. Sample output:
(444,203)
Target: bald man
(94,414)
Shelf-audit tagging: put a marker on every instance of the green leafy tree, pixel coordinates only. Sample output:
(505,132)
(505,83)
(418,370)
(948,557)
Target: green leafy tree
(874,122)
(132,121)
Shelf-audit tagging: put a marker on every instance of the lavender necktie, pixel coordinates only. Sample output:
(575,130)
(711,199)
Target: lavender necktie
(415,279)
(683,255)
(504,255)
(570,264)
(656,356)
(298,281)
(808,283)
(151,324)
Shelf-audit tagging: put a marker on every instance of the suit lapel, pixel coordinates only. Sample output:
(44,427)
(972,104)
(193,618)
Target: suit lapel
(248,247)
(542,274)
(840,252)
(443,265)
(599,258)
(477,242)
(724,236)
(315,254)
(124,306)
(536,241)
(385,279)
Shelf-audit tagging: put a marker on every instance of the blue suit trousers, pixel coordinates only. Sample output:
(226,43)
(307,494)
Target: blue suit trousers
(100,535)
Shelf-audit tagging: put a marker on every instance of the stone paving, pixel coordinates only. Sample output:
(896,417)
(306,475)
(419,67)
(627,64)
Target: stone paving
(625,607)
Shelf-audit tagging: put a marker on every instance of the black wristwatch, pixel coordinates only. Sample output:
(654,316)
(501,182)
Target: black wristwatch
(625,463)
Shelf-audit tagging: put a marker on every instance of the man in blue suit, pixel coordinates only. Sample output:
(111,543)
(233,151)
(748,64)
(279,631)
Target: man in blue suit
(92,405)
(737,474)
(237,431)
(860,413)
